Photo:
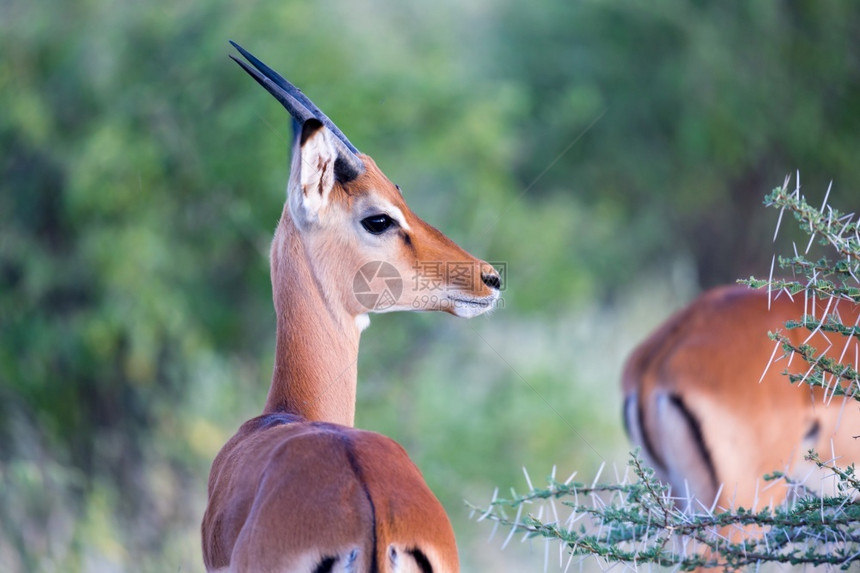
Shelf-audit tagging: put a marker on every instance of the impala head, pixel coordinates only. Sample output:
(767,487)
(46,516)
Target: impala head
(367,250)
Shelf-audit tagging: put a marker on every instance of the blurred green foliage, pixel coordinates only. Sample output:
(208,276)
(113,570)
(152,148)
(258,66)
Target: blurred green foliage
(613,154)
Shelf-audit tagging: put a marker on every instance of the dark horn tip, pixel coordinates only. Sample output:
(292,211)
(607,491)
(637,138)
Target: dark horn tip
(291,97)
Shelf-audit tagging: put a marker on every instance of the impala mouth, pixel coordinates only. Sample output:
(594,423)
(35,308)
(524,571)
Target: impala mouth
(473,302)
(470,306)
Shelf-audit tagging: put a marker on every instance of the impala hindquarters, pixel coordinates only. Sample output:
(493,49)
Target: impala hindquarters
(713,416)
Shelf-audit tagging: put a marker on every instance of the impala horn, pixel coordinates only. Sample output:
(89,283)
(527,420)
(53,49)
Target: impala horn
(348,165)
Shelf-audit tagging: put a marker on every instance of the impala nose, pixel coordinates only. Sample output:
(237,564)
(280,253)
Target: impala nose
(492,280)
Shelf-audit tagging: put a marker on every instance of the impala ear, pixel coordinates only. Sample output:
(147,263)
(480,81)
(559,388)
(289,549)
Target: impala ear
(346,165)
(312,175)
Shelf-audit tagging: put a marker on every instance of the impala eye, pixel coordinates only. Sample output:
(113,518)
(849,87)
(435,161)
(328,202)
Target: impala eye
(377,224)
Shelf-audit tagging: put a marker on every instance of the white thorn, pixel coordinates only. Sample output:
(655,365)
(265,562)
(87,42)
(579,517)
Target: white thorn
(490,506)
(770,280)
(826,195)
(778,223)
(597,477)
(528,480)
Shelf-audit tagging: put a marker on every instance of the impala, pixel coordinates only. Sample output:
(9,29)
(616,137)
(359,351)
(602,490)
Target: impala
(712,411)
(298,488)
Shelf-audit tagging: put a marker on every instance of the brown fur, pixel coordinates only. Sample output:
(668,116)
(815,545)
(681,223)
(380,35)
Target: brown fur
(362,493)
(734,429)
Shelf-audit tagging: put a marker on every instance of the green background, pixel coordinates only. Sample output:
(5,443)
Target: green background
(612,154)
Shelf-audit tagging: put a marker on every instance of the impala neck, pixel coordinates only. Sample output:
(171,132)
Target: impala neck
(316,353)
